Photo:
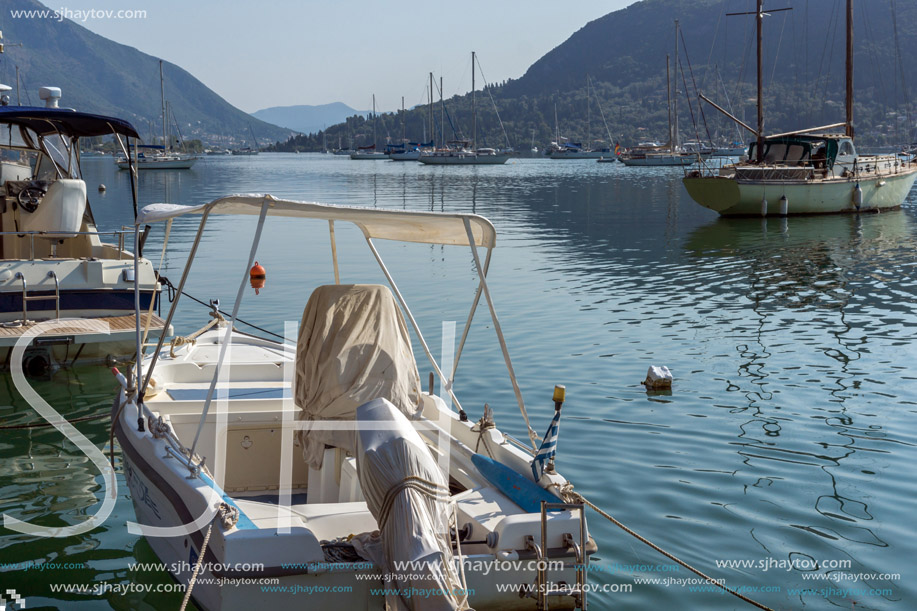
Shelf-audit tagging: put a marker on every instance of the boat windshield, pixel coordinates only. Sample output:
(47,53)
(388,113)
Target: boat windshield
(50,157)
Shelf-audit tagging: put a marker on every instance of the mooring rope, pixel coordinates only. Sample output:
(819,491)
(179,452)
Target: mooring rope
(197,568)
(36,425)
(571,496)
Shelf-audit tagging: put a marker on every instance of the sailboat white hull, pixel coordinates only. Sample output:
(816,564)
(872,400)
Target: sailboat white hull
(406,156)
(160,164)
(659,160)
(732,197)
(368,156)
(580,154)
(463,159)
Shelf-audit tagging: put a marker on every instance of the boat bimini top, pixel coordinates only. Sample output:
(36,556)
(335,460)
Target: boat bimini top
(406,226)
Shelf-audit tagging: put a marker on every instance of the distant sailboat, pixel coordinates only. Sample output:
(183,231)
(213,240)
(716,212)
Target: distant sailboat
(578,150)
(671,153)
(459,153)
(369,152)
(161,157)
(248,150)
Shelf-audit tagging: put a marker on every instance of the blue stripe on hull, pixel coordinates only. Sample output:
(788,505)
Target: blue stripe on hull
(11,302)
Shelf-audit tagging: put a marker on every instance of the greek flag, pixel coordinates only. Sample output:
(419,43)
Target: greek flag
(548,447)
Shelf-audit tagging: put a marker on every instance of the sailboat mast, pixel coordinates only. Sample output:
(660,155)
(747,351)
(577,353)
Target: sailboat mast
(675,95)
(588,117)
(668,98)
(432,135)
(849,129)
(759,18)
(474,116)
(374,121)
(442,115)
(403,128)
(162,93)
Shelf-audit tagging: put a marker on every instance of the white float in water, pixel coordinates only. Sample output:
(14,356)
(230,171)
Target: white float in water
(658,377)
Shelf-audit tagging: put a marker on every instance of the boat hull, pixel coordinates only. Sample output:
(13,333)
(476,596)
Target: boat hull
(731,197)
(253,560)
(659,160)
(469,159)
(408,156)
(172,164)
(580,155)
(368,156)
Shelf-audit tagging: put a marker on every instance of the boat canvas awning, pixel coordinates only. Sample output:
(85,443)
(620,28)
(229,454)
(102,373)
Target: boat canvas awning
(46,121)
(400,225)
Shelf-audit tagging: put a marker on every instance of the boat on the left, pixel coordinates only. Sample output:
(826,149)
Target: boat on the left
(64,292)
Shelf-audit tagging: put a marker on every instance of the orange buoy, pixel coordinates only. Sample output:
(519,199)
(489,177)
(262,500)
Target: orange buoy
(257,275)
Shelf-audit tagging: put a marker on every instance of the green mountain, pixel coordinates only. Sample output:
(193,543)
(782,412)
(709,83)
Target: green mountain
(98,75)
(624,55)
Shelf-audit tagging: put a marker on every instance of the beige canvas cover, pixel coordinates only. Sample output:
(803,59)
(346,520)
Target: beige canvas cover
(408,494)
(353,347)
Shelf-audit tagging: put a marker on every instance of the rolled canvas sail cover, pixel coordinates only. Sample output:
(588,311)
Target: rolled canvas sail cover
(408,494)
(353,347)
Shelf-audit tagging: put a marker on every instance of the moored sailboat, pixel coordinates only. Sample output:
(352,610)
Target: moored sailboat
(809,171)
(461,154)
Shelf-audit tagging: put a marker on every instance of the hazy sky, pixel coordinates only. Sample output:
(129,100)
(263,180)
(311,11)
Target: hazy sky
(285,52)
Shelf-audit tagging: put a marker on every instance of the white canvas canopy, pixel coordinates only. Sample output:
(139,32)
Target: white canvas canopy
(405,226)
(353,347)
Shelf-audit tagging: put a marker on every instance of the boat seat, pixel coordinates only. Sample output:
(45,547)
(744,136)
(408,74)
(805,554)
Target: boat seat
(326,521)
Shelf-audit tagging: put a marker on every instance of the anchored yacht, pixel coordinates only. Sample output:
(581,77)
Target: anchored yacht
(54,266)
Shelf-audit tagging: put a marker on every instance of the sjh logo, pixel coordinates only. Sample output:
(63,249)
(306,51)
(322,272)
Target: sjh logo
(15,601)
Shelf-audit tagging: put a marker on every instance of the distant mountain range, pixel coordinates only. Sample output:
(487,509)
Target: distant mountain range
(623,54)
(102,76)
(308,119)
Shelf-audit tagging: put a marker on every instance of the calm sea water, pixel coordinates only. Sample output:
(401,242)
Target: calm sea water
(787,443)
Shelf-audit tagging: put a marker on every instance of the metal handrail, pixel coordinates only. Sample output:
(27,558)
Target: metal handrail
(26,298)
(52,274)
(40,233)
(31,235)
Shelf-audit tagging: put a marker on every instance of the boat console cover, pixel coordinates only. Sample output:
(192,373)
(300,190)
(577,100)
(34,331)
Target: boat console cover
(408,494)
(353,347)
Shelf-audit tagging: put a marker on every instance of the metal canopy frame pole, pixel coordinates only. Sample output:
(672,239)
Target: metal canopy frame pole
(227,336)
(178,294)
(334,252)
(533,437)
(474,308)
(447,384)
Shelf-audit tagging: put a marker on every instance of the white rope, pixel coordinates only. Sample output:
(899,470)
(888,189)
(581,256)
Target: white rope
(569,496)
(197,568)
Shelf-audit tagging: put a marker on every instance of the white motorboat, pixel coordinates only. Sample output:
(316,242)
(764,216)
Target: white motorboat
(63,291)
(809,171)
(325,465)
